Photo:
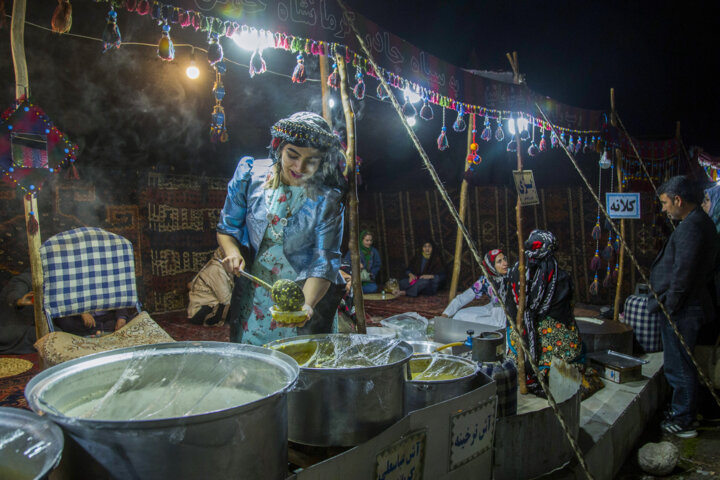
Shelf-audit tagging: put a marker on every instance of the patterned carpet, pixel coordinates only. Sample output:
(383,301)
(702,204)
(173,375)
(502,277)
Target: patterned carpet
(428,307)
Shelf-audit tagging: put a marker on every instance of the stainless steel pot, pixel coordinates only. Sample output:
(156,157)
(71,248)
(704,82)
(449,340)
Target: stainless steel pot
(30,446)
(355,393)
(420,347)
(448,377)
(182,410)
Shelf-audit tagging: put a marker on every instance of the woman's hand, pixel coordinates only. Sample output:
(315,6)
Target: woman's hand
(26,300)
(88,320)
(233,263)
(412,277)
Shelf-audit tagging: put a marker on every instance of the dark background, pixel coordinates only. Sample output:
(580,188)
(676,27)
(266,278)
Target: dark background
(129,111)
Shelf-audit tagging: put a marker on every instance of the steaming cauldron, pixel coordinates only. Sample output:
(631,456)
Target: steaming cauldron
(184,410)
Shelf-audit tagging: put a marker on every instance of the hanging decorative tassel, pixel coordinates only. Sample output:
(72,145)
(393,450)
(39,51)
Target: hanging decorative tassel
(473,158)
(459,125)
(442,141)
(143,7)
(166,49)
(298,75)
(562,138)
(524,133)
(588,146)
(578,146)
(616,272)
(594,286)
(32,223)
(257,64)
(111,35)
(215,50)
(499,134)
(512,144)
(408,108)
(571,144)
(595,262)
(616,245)
(608,251)
(554,140)
(218,129)
(359,88)
(333,79)
(72,172)
(533,148)
(543,142)
(62,17)
(381,92)
(596,231)
(487,131)
(607,281)
(426,112)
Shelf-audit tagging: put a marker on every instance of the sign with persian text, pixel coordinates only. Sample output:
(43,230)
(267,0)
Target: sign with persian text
(623,205)
(404,459)
(471,433)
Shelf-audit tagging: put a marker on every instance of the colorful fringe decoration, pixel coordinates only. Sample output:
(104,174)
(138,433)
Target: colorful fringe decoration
(578,146)
(143,7)
(359,88)
(166,49)
(459,125)
(487,131)
(218,130)
(615,272)
(73,173)
(588,145)
(533,149)
(215,51)
(596,231)
(426,112)
(257,64)
(594,286)
(442,141)
(473,158)
(554,140)
(608,251)
(607,281)
(543,143)
(62,17)
(408,109)
(111,35)
(499,133)
(381,92)
(298,75)
(595,262)
(333,79)
(512,144)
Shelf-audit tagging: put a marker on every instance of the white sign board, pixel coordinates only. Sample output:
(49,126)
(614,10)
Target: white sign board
(525,187)
(623,205)
(403,460)
(471,433)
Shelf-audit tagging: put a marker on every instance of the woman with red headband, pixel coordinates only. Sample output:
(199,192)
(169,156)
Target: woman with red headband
(496,264)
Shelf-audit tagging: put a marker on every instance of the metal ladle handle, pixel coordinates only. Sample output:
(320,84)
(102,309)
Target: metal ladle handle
(262,283)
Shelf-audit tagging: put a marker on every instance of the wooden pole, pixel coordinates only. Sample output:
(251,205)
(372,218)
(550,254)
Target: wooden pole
(353,215)
(327,114)
(522,385)
(17,45)
(41,327)
(462,213)
(621,255)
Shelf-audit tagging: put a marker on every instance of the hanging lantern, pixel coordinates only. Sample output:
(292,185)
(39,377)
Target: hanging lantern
(166,49)
(605,162)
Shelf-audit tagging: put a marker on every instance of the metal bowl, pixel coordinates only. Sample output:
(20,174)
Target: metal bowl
(420,348)
(30,446)
(211,409)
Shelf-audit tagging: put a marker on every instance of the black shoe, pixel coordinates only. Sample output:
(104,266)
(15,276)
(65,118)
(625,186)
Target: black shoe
(670,426)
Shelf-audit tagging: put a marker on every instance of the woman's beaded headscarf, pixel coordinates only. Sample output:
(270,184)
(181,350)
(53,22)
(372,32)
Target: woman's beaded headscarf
(307,129)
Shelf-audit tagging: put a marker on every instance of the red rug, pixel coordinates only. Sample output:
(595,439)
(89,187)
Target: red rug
(428,307)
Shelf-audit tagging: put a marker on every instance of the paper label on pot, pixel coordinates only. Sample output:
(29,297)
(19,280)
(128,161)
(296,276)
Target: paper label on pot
(404,459)
(471,433)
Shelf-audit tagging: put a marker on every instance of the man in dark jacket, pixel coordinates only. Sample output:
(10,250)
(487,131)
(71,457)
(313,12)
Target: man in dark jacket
(681,274)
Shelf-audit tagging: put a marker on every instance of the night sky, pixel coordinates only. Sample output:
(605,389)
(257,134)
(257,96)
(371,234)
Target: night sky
(661,57)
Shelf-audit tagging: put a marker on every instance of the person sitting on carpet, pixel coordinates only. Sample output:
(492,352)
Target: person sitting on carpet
(210,293)
(94,323)
(17,315)
(424,274)
(549,323)
(369,261)
(496,264)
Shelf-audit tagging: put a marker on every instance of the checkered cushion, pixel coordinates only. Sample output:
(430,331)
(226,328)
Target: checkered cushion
(86,270)
(505,376)
(645,325)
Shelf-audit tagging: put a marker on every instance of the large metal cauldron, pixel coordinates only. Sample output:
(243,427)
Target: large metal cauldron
(30,446)
(436,378)
(184,410)
(350,388)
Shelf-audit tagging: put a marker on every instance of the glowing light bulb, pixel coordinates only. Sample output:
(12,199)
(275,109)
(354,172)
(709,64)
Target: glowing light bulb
(411,96)
(411,121)
(192,70)
(331,103)
(250,39)
(511,126)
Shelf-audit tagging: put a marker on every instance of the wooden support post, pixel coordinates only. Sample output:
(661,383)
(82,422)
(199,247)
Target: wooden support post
(17,45)
(353,216)
(621,255)
(522,385)
(41,327)
(327,114)
(462,213)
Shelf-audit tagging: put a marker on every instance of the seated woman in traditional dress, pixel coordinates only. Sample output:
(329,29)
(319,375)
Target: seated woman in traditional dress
(424,274)
(548,320)
(496,264)
(289,225)
(369,261)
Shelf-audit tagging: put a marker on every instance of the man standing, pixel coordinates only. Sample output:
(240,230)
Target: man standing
(680,276)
